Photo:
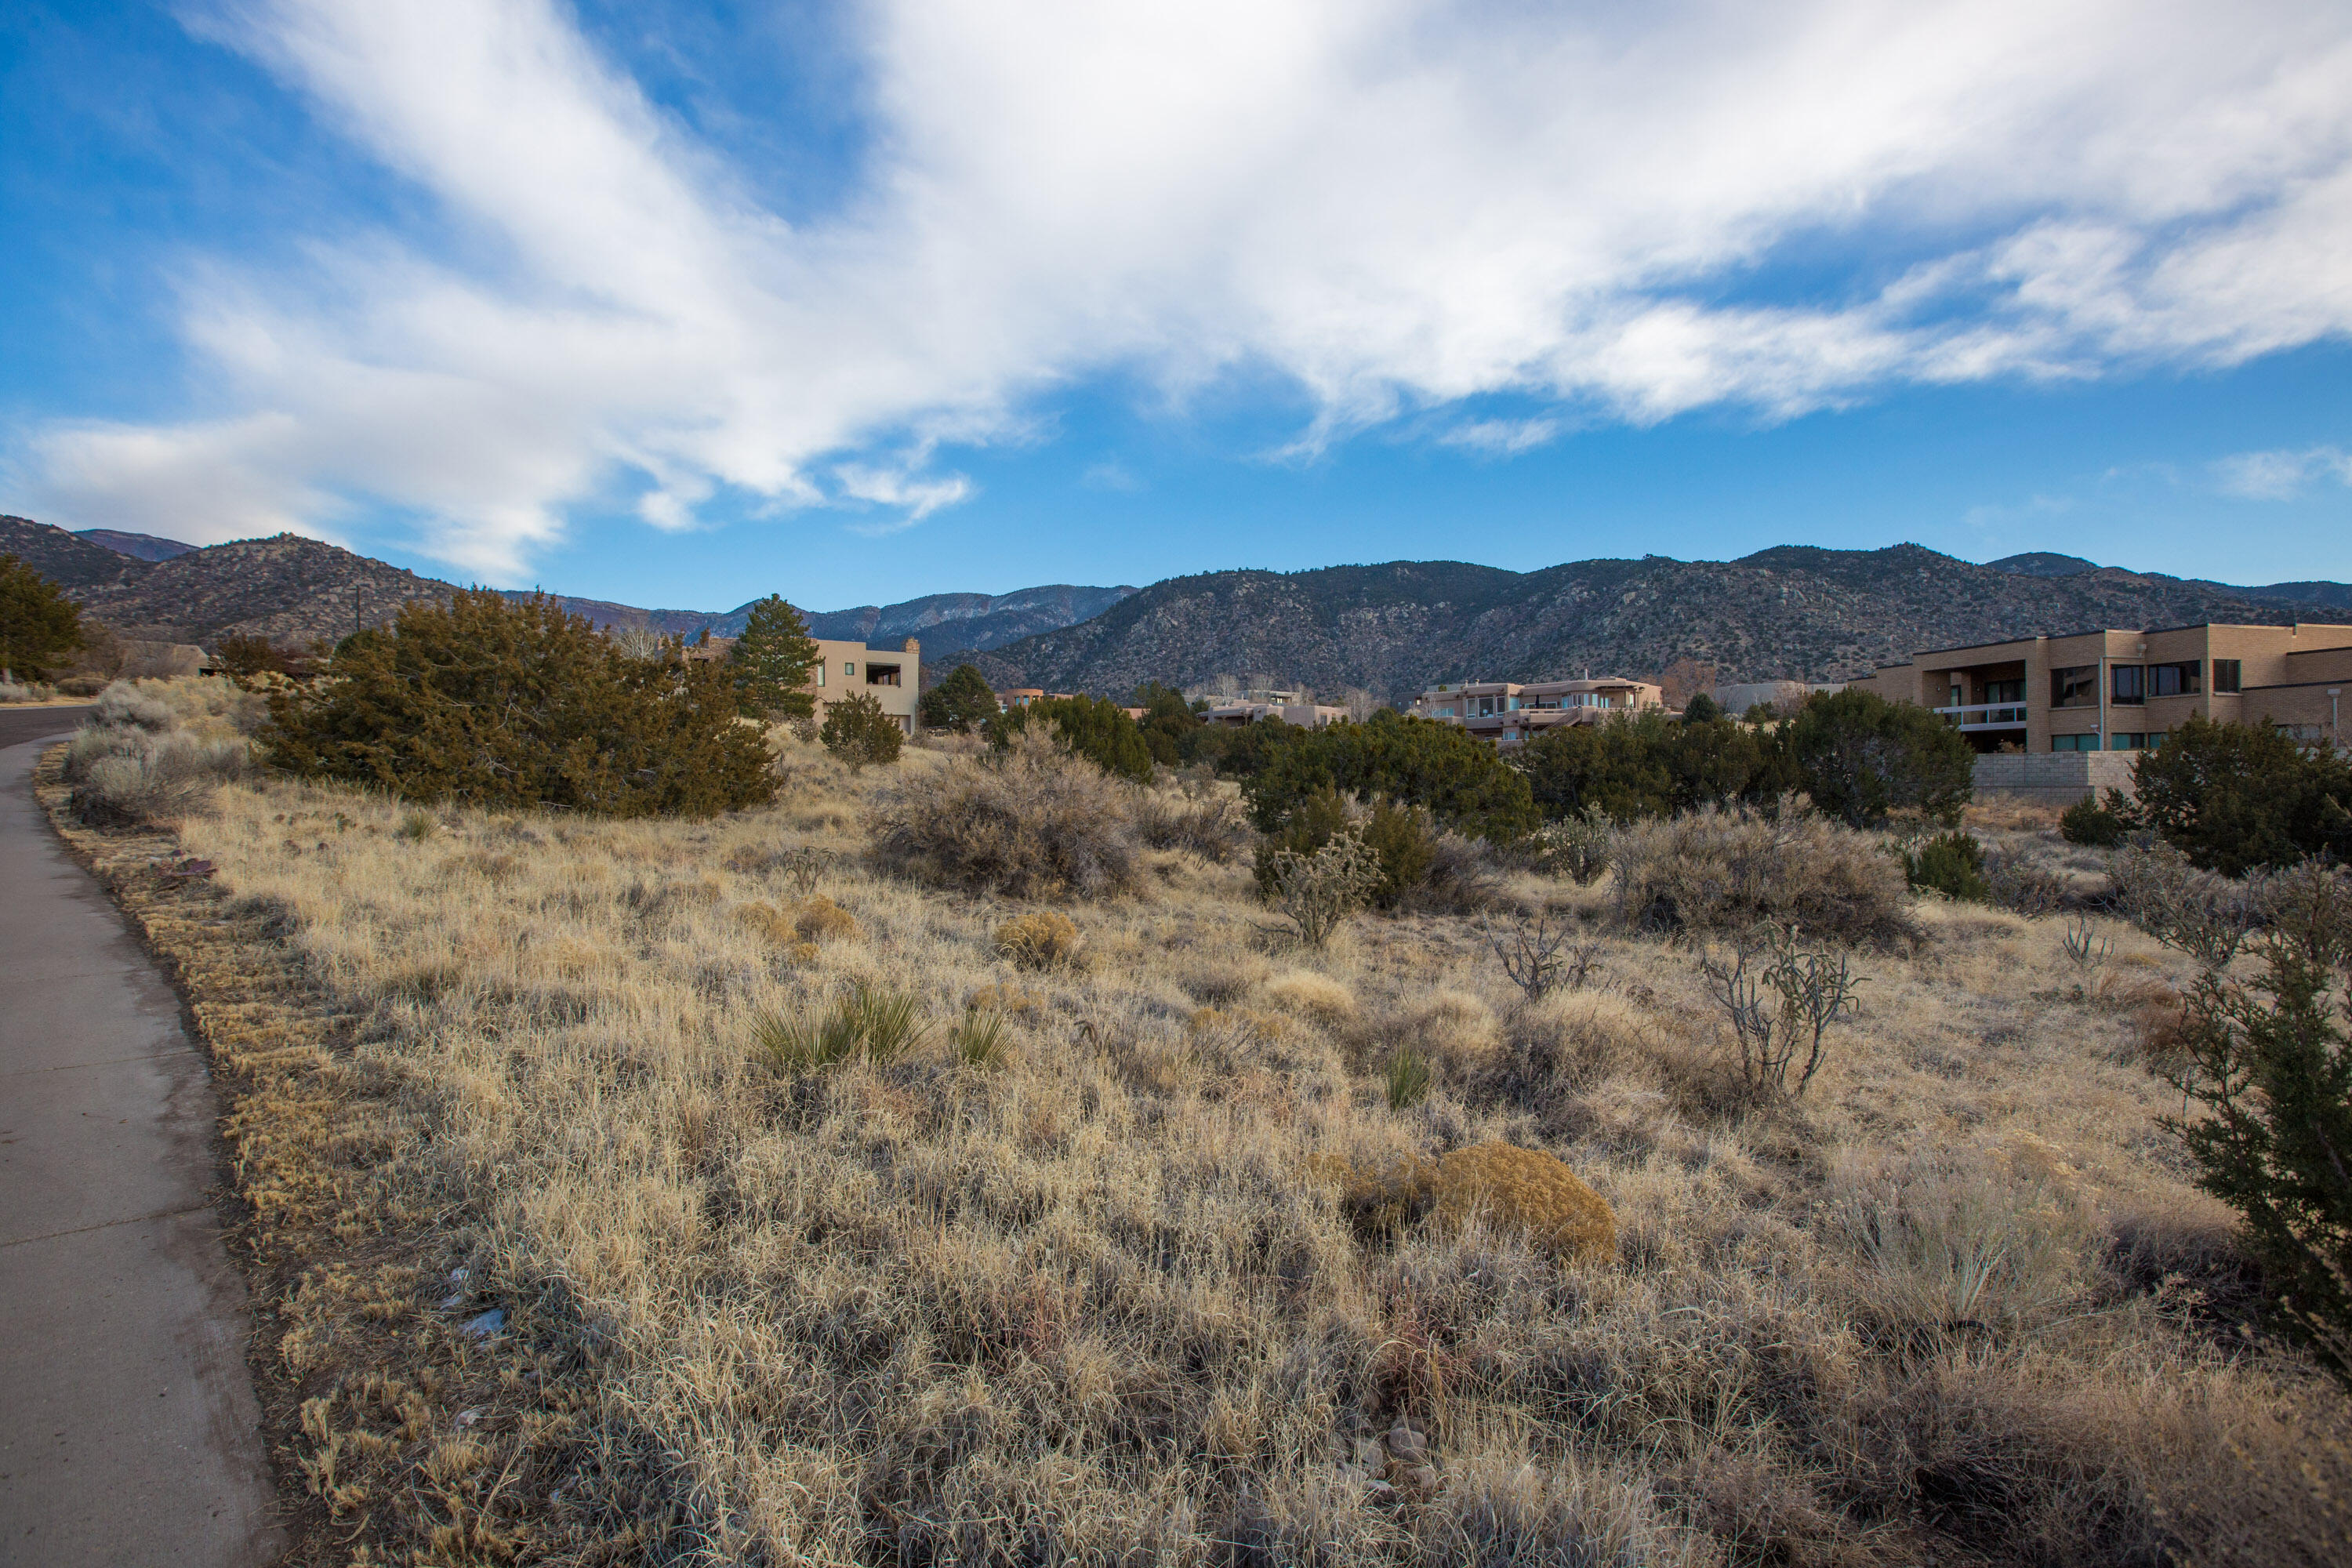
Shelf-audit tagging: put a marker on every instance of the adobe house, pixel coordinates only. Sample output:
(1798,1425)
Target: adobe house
(891,676)
(1507,712)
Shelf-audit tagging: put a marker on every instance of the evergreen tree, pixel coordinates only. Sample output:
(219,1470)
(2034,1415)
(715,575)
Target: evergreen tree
(1862,757)
(1171,729)
(1090,727)
(770,663)
(2234,796)
(497,702)
(38,625)
(858,732)
(962,702)
(1413,762)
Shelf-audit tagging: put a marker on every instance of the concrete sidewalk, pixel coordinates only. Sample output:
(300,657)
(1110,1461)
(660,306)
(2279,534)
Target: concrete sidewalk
(128,1431)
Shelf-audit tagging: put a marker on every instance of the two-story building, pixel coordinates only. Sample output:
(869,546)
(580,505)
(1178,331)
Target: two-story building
(2116,690)
(892,676)
(1509,712)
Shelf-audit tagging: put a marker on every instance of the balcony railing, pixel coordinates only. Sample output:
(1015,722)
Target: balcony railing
(1986,715)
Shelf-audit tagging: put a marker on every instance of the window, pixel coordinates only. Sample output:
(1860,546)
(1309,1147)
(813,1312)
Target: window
(2175,680)
(2074,742)
(2078,686)
(2134,741)
(848,669)
(2005,690)
(2225,675)
(819,673)
(2131,685)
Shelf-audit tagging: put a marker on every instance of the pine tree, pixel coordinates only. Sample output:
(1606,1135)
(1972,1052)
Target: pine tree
(38,625)
(770,663)
(962,702)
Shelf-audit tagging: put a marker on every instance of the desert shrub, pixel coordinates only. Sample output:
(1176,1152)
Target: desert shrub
(1541,953)
(124,775)
(39,625)
(1955,1241)
(2235,796)
(1525,1188)
(1779,999)
(2271,1066)
(1633,765)
(859,734)
(1951,864)
(1576,847)
(1407,1078)
(1209,825)
(1088,727)
(2088,823)
(1441,768)
(2014,880)
(1401,837)
(1379,1196)
(241,658)
(1031,821)
(2202,914)
(504,703)
(124,705)
(1863,759)
(1731,870)
(17,692)
(962,702)
(1318,996)
(1043,939)
(1466,877)
(1317,893)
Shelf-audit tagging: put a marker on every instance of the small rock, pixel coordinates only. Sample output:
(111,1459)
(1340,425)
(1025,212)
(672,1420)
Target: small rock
(467,1417)
(484,1325)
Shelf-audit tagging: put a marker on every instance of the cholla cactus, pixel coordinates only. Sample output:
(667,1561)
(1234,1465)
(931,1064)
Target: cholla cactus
(1317,893)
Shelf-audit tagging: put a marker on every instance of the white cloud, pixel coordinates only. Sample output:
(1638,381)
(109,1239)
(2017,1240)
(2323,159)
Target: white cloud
(2281,475)
(1396,204)
(1502,438)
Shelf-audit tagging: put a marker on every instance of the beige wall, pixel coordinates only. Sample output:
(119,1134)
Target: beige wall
(845,671)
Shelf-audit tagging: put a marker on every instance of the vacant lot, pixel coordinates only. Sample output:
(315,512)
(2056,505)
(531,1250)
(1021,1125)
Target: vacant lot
(575,1257)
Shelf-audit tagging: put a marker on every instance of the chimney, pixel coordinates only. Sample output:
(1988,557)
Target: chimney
(912,645)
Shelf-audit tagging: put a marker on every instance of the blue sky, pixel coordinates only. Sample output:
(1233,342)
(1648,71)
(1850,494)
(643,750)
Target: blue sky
(678,304)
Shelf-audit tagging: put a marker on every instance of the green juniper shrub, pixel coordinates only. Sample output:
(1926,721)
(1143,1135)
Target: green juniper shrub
(962,702)
(858,731)
(1633,765)
(1951,864)
(1241,751)
(503,703)
(242,658)
(2235,796)
(768,665)
(39,626)
(2271,1068)
(1170,728)
(1863,758)
(1413,762)
(1701,709)
(1090,727)
(2092,825)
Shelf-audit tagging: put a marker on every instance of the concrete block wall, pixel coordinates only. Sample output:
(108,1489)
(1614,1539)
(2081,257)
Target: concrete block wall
(2054,778)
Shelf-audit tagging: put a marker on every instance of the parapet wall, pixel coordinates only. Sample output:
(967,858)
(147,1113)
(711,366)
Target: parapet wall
(2054,778)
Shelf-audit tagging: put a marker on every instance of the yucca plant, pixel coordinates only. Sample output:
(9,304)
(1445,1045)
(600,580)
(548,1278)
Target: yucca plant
(980,1038)
(1407,1079)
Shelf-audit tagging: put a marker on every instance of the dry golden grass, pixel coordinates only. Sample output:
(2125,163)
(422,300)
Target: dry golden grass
(1142,1290)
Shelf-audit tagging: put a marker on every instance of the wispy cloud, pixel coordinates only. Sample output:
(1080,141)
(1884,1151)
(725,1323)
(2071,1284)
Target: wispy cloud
(2281,475)
(1397,205)
(1503,437)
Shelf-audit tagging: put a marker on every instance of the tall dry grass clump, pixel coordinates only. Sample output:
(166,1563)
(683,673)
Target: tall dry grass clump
(1032,821)
(1731,870)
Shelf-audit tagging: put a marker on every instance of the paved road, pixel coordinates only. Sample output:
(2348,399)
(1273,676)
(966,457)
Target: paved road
(129,1433)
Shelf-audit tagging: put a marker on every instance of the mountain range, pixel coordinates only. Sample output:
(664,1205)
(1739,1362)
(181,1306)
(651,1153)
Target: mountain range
(292,589)
(1789,612)
(1793,610)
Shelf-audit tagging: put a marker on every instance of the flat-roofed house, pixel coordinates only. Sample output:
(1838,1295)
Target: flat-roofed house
(892,676)
(2114,690)
(1507,712)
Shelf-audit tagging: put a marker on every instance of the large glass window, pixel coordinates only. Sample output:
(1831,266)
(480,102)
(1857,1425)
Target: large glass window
(2005,690)
(2131,685)
(2127,741)
(2078,686)
(2074,742)
(2225,675)
(2175,680)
